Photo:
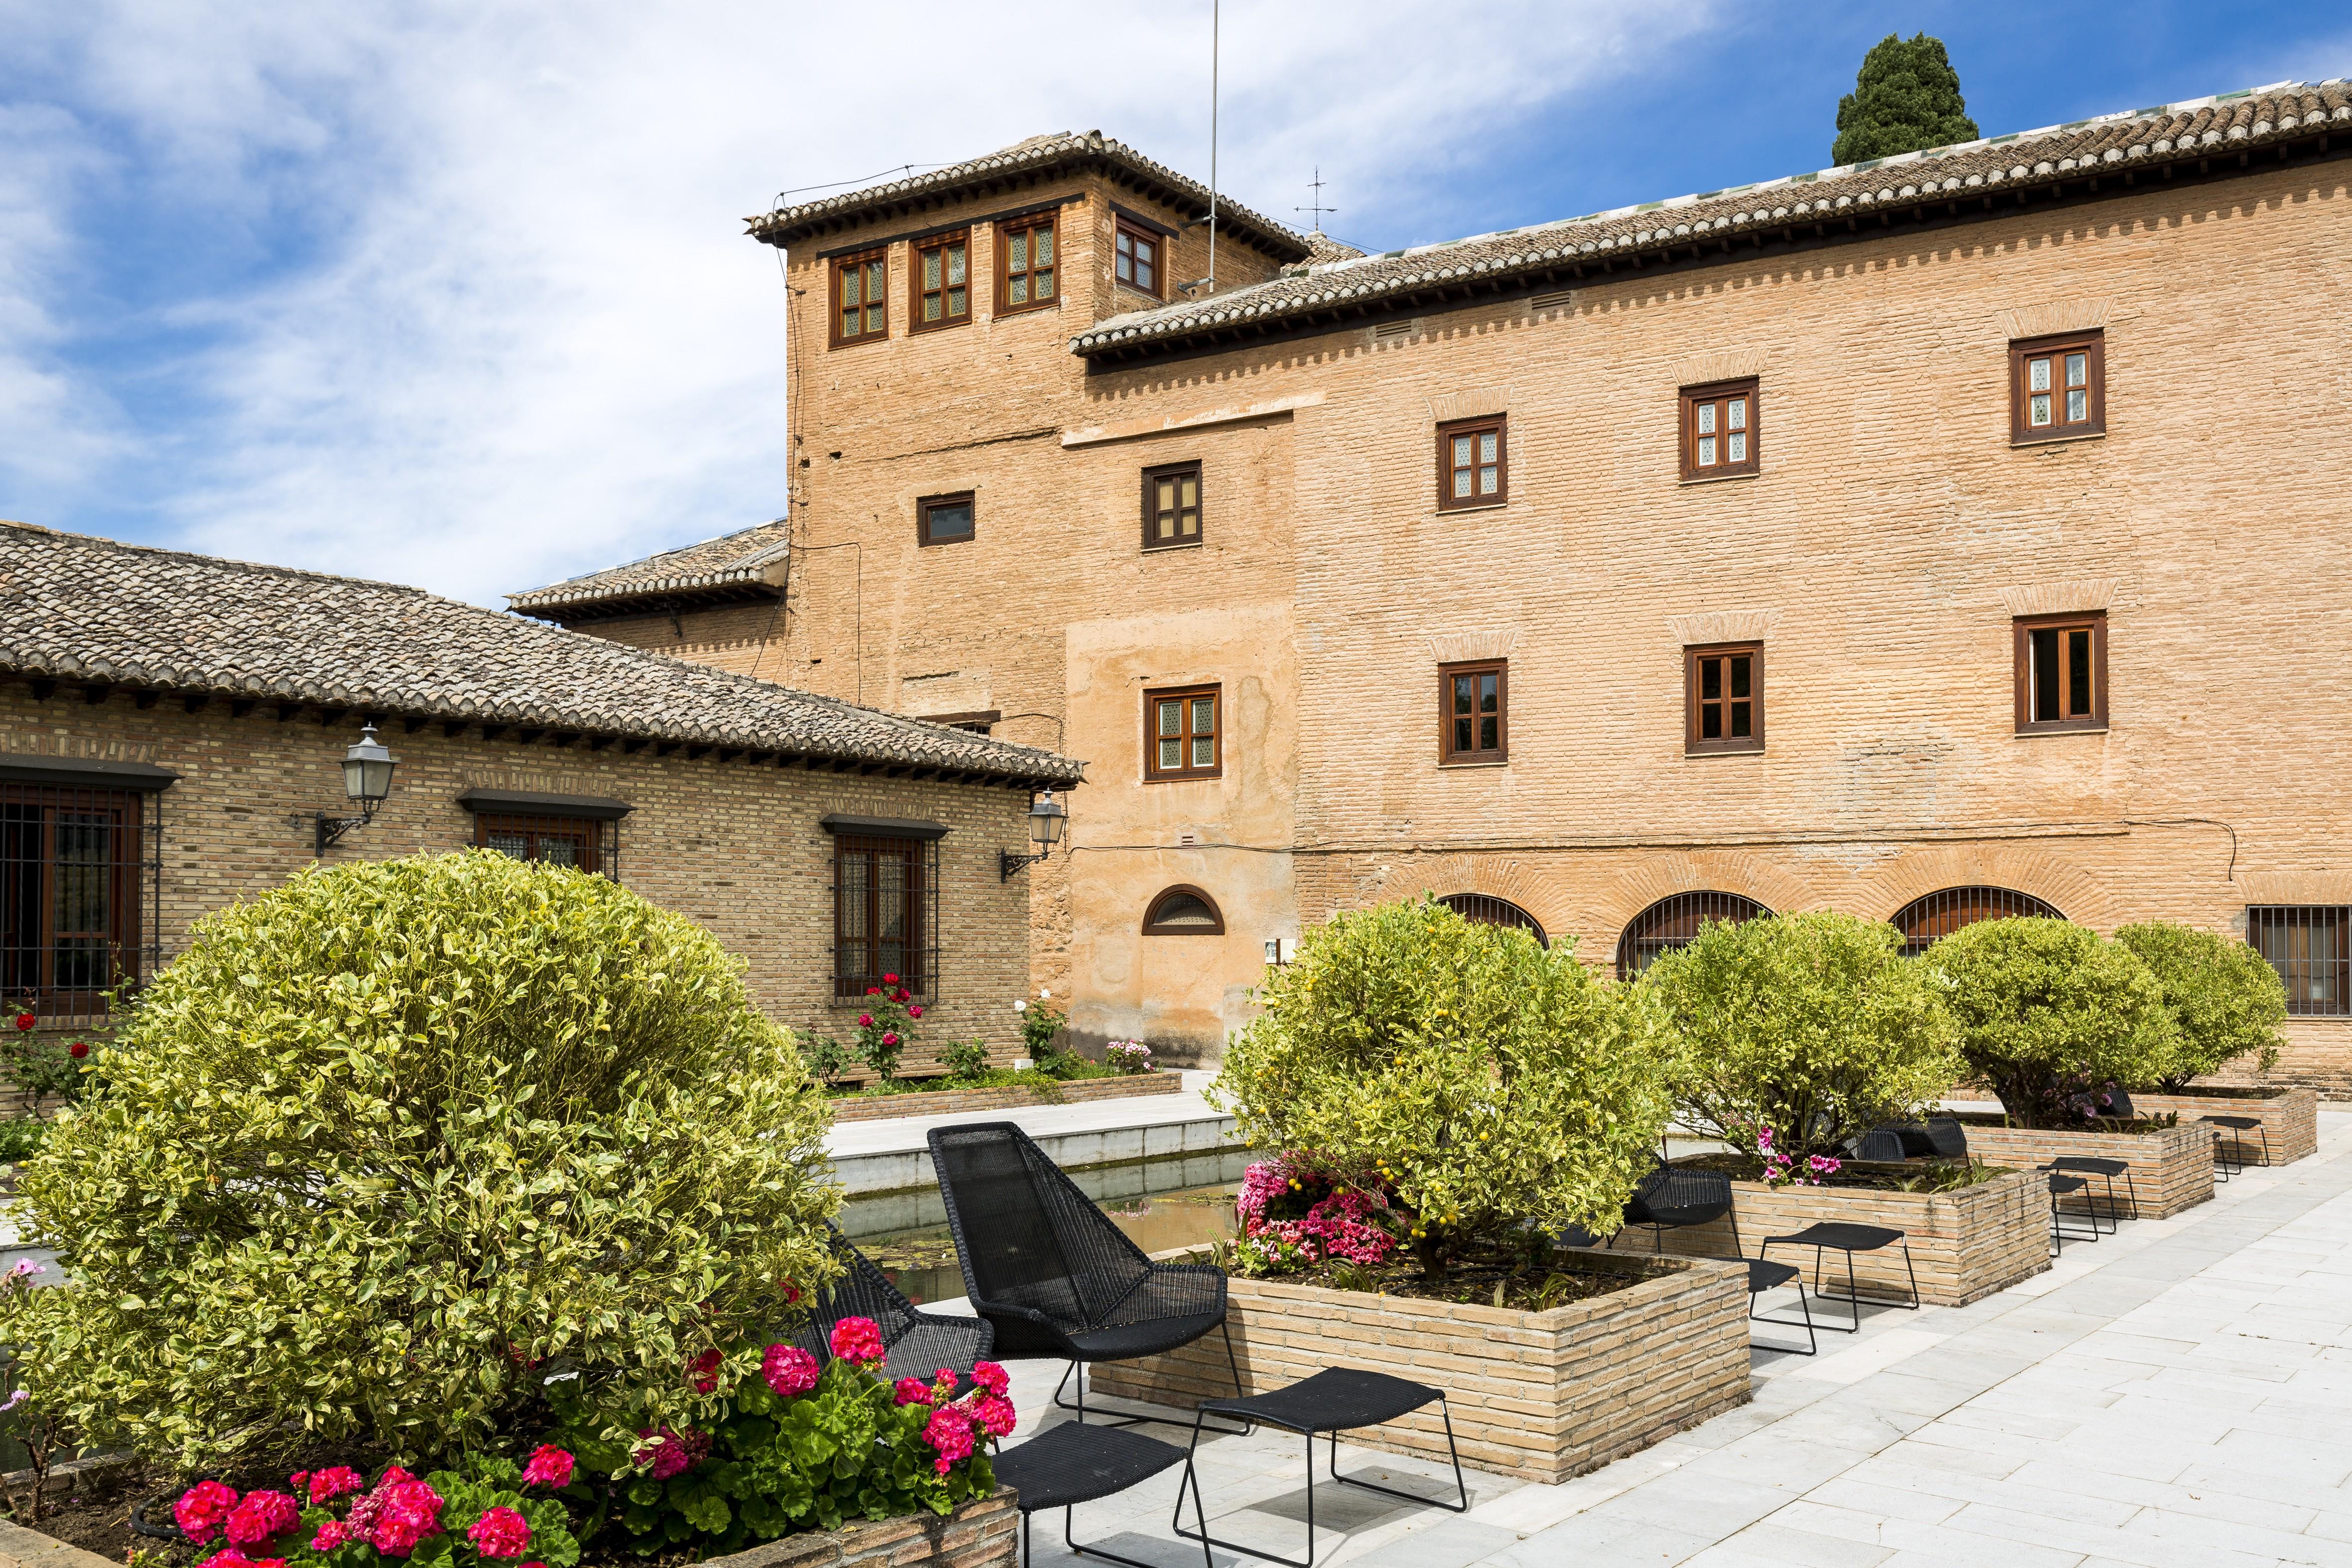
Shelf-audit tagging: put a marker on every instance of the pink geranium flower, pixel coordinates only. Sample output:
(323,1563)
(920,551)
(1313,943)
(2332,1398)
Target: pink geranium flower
(549,1467)
(992,1377)
(332,1534)
(857,1341)
(201,1509)
(672,1453)
(339,1480)
(500,1532)
(233,1558)
(262,1514)
(949,1432)
(911,1391)
(996,1415)
(790,1370)
(704,1369)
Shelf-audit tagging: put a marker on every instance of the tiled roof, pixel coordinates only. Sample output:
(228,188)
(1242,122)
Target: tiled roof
(1322,249)
(89,611)
(748,560)
(1828,205)
(1039,155)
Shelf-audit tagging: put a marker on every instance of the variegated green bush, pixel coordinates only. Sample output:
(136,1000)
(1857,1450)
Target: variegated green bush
(390,1144)
(1479,1078)
(1803,1030)
(2225,999)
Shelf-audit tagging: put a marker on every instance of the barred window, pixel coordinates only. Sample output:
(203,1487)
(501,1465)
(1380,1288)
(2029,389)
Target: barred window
(1482,909)
(2310,945)
(1673,922)
(884,914)
(77,890)
(580,842)
(1941,912)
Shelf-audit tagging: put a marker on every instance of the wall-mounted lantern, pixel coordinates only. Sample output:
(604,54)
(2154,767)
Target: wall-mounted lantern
(367,779)
(1047,818)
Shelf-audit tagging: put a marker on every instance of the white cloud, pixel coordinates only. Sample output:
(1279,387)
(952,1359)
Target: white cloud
(523,334)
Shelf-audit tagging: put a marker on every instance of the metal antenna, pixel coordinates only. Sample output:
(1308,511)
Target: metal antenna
(1318,209)
(1213,20)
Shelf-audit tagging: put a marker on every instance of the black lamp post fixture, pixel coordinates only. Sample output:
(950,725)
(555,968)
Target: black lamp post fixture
(1047,818)
(367,778)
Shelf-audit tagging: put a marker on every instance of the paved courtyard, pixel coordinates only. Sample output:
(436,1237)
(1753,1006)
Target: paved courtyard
(2174,1395)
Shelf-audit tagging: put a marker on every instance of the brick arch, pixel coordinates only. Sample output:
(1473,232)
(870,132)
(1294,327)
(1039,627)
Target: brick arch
(1618,899)
(2075,893)
(1497,876)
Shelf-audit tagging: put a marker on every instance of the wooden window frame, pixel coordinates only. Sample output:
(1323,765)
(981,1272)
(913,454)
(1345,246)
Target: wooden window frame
(1151,477)
(1156,238)
(2021,631)
(1151,910)
(926,505)
(1695,743)
(2021,431)
(1448,755)
(920,892)
(35,869)
(1155,774)
(593,836)
(1029,222)
(838,266)
(916,251)
(1690,398)
(1500,423)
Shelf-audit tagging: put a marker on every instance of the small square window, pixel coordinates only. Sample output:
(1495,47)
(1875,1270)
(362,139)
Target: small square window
(861,298)
(944,519)
(1474,463)
(938,289)
(1474,704)
(1719,427)
(1172,506)
(2058,388)
(583,843)
(1183,736)
(2061,672)
(1028,270)
(1138,257)
(1723,699)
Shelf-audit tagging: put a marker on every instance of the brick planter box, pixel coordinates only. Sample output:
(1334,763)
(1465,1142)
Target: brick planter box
(982,1534)
(2171,1169)
(1965,1245)
(961,1101)
(1541,1395)
(2290,1116)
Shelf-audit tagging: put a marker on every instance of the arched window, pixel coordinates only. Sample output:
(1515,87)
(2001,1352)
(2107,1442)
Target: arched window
(1183,912)
(1672,921)
(1488,910)
(1923,920)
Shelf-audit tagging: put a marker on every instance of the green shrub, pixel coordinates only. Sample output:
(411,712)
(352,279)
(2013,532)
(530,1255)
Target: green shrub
(965,1058)
(385,1140)
(1481,1079)
(2225,999)
(2052,1016)
(1813,1025)
(1041,1029)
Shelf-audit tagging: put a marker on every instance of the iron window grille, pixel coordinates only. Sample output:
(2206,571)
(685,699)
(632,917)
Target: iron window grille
(583,843)
(1484,909)
(885,914)
(2310,945)
(80,898)
(1675,922)
(1184,911)
(1941,912)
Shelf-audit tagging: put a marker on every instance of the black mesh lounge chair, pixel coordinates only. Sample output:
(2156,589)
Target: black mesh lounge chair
(1948,1138)
(1881,1146)
(1671,1198)
(1052,1274)
(919,1343)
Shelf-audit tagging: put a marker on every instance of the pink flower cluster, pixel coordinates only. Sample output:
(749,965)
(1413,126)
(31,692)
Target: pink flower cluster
(858,1340)
(401,1511)
(955,1425)
(500,1532)
(703,1371)
(1341,1225)
(790,1370)
(549,1467)
(1778,1167)
(672,1453)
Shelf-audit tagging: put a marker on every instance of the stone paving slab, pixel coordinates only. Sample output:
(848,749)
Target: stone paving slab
(2173,1394)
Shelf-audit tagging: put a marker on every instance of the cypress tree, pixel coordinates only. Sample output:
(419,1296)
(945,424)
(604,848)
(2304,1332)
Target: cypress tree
(1907,96)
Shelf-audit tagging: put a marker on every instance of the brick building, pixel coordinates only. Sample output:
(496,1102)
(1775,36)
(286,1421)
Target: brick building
(171,727)
(1955,534)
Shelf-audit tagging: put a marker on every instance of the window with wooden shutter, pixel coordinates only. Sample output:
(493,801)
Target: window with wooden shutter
(1723,697)
(861,298)
(1184,733)
(2058,388)
(941,278)
(1719,430)
(1172,506)
(1028,269)
(2061,672)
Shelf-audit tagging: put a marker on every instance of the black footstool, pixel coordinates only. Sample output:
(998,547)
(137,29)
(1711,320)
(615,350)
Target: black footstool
(1837,1236)
(2235,1162)
(1335,1400)
(1762,1277)
(1074,1463)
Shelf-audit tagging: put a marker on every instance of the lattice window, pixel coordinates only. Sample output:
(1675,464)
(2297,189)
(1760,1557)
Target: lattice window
(2310,945)
(1488,910)
(885,914)
(1941,913)
(1672,923)
(80,889)
(1183,912)
(585,842)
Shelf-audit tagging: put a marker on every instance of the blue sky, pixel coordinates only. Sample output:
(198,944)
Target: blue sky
(456,294)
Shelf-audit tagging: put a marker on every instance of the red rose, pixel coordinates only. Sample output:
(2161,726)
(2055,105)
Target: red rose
(886,979)
(865,1020)
(873,990)
(899,995)
(24,1021)
(78,1050)
(915,1012)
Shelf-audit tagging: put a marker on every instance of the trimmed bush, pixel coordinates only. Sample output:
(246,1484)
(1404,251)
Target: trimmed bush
(1480,1079)
(2225,999)
(2052,1016)
(1806,1028)
(386,1143)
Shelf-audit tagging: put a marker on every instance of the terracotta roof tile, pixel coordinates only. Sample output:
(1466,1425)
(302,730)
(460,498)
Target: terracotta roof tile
(81,609)
(749,558)
(1834,198)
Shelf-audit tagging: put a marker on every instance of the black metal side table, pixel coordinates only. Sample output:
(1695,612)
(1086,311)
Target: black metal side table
(1837,1236)
(1335,1400)
(1074,1463)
